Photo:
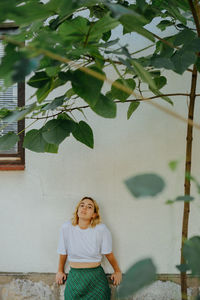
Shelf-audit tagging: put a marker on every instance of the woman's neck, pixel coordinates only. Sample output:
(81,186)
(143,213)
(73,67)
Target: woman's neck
(83,223)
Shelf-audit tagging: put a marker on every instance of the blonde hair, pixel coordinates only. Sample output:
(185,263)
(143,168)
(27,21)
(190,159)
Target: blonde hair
(94,221)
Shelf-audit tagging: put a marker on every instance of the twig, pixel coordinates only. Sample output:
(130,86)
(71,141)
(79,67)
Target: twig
(96,75)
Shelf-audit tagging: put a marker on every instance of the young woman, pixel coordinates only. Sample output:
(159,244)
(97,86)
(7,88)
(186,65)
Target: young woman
(84,240)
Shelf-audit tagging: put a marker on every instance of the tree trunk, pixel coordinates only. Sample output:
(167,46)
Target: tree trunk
(187,179)
(195,9)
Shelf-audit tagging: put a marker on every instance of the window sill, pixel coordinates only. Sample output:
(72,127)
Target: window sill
(12,167)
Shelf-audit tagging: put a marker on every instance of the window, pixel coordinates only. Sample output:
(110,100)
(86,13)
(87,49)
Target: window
(13,159)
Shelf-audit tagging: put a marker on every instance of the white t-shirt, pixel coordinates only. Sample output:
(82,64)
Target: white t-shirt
(84,245)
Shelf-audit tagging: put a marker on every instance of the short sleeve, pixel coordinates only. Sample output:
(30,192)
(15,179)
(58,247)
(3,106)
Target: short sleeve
(106,246)
(62,243)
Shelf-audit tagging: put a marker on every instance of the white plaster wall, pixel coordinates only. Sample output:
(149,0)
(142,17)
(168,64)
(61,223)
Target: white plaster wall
(35,202)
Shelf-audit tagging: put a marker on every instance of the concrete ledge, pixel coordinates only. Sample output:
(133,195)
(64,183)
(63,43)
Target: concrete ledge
(42,286)
(49,278)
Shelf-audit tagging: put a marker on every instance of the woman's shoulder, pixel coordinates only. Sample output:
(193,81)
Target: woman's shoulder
(66,224)
(101,227)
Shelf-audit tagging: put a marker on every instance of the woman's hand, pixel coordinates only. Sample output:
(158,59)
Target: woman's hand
(116,277)
(60,276)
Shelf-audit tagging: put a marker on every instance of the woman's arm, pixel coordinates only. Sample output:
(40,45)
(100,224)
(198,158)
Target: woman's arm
(117,275)
(60,275)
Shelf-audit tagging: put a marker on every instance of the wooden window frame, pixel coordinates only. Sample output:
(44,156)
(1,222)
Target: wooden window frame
(15,161)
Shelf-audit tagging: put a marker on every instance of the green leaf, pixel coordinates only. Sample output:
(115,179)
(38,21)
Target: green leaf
(132,107)
(105,107)
(164,23)
(119,11)
(143,74)
(169,202)
(158,93)
(191,253)
(162,62)
(173,164)
(39,79)
(24,67)
(141,4)
(4,112)
(74,29)
(47,62)
(164,50)
(131,25)
(87,86)
(185,198)
(160,82)
(155,73)
(64,116)
(101,26)
(193,46)
(121,95)
(183,267)
(188,176)
(10,57)
(63,7)
(145,185)
(70,93)
(106,36)
(34,141)
(98,11)
(16,115)
(183,4)
(50,148)
(198,64)
(83,133)
(8,141)
(56,130)
(43,92)
(138,276)
(171,8)
(107,44)
(184,37)
(52,71)
(29,12)
(182,60)
(58,101)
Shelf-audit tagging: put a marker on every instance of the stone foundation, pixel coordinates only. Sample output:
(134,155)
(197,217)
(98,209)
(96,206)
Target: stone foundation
(42,286)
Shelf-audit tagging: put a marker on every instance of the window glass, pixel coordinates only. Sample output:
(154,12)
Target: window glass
(11,98)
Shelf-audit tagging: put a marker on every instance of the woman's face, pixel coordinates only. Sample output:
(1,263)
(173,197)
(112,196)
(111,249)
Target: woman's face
(86,209)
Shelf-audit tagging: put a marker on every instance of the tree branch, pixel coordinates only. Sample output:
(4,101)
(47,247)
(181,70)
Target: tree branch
(172,113)
(88,34)
(195,16)
(98,76)
(164,41)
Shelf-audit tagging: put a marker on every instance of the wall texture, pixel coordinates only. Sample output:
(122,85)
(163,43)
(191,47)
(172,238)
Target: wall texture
(35,202)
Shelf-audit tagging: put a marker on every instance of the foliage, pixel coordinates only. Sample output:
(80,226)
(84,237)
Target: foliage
(145,185)
(139,275)
(143,272)
(191,251)
(60,46)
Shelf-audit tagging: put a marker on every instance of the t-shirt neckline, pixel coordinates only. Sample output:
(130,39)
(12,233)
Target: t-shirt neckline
(78,227)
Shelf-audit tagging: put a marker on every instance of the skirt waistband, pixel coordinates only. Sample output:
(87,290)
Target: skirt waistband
(84,269)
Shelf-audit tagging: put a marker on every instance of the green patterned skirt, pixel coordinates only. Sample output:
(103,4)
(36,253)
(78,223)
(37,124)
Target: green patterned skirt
(87,283)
